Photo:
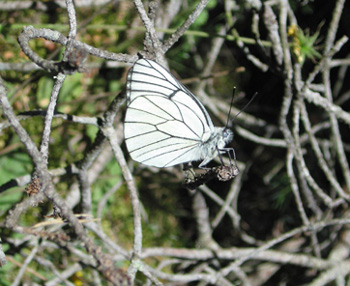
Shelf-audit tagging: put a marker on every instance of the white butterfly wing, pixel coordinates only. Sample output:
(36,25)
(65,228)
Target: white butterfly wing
(147,77)
(165,124)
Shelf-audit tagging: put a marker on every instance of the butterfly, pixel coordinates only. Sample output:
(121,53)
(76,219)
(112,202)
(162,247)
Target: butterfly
(165,124)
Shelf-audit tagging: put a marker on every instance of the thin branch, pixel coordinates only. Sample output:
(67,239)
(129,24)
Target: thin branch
(155,46)
(226,207)
(322,162)
(29,259)
(3,259)
(201,214)
(62,277)
(232,213)
(184,27)
(44,6)
(260,140)
(333,28)
(111,273)
(30,33)
(110,133)
(272,28)
(44,147)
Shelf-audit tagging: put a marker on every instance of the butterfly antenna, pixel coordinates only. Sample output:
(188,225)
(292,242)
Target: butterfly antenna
(229,112)
(249,102)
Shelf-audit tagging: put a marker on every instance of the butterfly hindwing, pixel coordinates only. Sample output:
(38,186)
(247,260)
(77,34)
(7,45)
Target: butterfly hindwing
(161,132)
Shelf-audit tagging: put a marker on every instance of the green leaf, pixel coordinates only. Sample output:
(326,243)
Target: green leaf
(91,131)
(14,165)
(201,20)
(71,88)
(303,45)
(44,90)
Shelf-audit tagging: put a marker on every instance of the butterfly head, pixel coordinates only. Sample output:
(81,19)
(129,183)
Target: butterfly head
(215,144)
(227,135)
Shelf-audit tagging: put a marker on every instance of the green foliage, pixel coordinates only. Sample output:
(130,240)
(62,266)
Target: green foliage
(201,20)
(4,271)
(91,132)
(108,179)
(72,89)
(115,85)
(303,44)
(283,195)
(9,198)
(43,93)
(14,165)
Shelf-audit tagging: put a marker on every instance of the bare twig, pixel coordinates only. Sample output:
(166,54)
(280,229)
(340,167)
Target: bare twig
(30,33)
(184,27)
(25,264)
(3,260)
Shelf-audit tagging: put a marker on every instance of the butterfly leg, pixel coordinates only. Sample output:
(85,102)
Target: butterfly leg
(220,157)
(234,168)
(228,150)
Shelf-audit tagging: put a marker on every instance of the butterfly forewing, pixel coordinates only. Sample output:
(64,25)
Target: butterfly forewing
(149,77)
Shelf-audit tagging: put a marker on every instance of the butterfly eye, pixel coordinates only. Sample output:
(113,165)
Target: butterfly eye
(227,135)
